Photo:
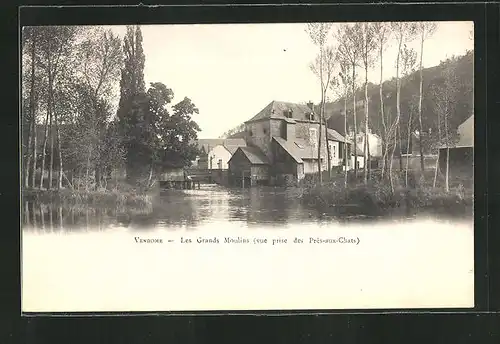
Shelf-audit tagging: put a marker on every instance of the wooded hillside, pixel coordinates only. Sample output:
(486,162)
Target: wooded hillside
(463,106)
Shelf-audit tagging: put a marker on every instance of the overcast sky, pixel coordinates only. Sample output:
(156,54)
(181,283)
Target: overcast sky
(232,71)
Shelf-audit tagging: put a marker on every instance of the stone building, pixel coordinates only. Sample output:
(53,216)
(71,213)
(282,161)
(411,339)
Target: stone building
(284,136)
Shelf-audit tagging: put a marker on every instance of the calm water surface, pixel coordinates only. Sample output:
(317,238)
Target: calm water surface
(194,209)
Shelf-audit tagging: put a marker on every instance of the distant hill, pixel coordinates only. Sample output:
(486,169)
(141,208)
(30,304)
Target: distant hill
(433,77)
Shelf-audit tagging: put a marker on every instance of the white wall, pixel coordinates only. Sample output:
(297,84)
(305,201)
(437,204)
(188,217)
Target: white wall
(361,161)
(374,141)
(334,153)
(310,166)
(220,156)
(466,132)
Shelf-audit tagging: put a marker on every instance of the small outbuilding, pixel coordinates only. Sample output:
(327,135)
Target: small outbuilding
(248,167)
(461,155)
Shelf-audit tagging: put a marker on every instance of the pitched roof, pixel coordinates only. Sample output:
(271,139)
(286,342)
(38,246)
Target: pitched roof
(254,155)
(358,151)
(290,147)
(232,144)
(229,144)
(298,149)
(276,108)
(207,144)
(336,136)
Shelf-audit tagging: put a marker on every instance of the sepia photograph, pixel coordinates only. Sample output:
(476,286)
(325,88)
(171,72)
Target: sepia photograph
(247,167)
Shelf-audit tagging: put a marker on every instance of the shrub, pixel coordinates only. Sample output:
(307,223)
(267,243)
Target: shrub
(377,197)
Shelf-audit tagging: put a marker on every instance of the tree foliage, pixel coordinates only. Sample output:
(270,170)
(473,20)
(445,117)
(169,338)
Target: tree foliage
(71,80)
(180,134)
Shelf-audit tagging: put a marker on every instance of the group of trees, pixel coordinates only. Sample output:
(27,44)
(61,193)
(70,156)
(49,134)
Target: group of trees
(348,52)
(72,134)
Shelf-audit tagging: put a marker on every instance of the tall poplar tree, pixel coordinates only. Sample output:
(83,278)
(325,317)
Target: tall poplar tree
(133,101)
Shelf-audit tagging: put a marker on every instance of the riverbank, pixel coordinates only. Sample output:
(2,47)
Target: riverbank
(377,199)
(90,198)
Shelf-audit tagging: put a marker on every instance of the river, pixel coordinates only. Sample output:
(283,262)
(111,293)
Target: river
(194,209)
(88,259)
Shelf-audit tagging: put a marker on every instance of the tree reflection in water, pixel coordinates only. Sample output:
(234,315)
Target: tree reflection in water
(189,209)
(174,209)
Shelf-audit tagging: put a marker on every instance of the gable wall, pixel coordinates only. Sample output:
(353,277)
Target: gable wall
(216,154)
(257,134)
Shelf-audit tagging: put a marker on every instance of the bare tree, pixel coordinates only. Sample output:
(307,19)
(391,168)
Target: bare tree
(328,65)
(408,61)
(344,75)
(30,37)
(56,45)
(404,32)
(100,56)
(425,30)
(440,137)
(445,97)
(349,50)
(368,46)
(319,32)
(382,37)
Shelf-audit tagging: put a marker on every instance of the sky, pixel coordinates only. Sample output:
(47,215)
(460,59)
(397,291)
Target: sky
(232,71)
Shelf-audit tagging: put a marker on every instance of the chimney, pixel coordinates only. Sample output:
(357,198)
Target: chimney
(310,105)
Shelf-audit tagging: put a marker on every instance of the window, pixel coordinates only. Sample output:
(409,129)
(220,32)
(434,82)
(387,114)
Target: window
(287,113)
(310,116)
(334,151)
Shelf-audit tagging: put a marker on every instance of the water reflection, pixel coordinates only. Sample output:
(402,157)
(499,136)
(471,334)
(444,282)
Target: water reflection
(191,209)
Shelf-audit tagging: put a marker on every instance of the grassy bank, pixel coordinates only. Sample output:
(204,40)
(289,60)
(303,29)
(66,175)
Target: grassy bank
(92,198)
(376,197)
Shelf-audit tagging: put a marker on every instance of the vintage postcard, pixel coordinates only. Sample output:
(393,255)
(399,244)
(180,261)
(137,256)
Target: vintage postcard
(247,167)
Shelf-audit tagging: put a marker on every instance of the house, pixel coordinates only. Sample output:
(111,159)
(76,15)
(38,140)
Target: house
(282,145)
(461,155)
(205,145)
(374,147)
(216,153)
(359,158)
(412,153)
(336,121)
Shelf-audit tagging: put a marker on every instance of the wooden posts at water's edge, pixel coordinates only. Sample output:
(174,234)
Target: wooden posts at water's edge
(183,185)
